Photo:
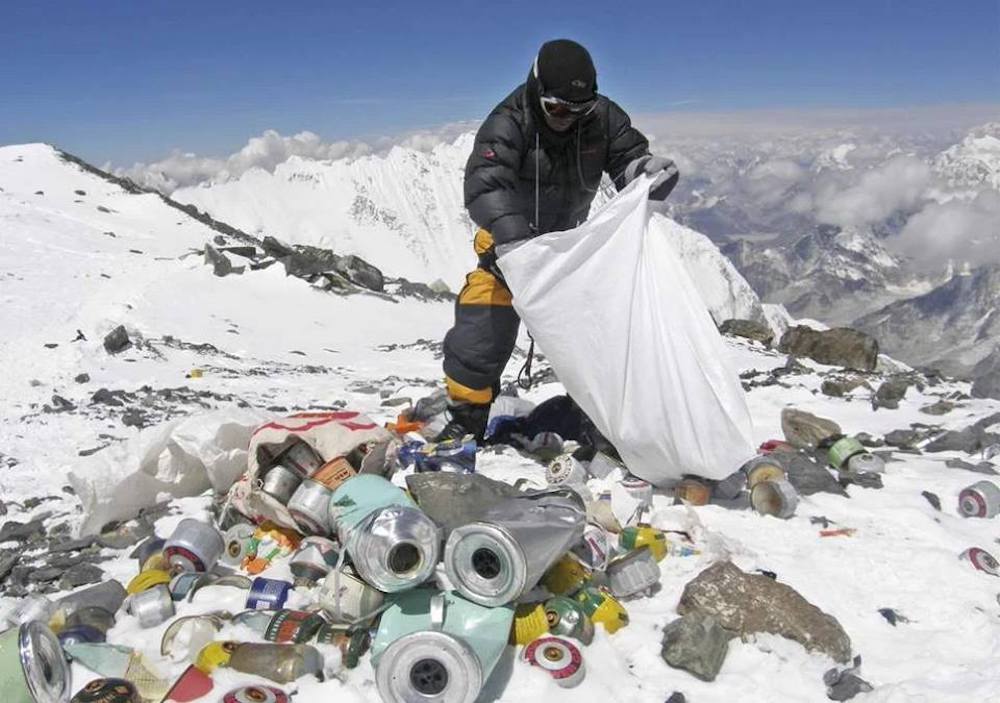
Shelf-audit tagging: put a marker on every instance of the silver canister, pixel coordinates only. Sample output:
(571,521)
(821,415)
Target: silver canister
(280,483)
(237,541)
(300,458)
(31,607)
(777,498)
(498,558)
(565,469)
(33,668)
(194,546)
(981,499)
(429,666)
(633,573)
(314,559)
(395,548)
(866,462)
(153,606)
(348,599)
(310,507)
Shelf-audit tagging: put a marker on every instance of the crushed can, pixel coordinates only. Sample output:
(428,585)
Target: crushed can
(345,598)
(842,450)
(293,626)
(309,506)
(256,694)
(866,462)
(644,535)
(280,483)
(107,691)
(334,473)
(566,577)
(194,546)
(33,668)
(566,618)
(633,573)
(692,492)
(437,646)
(282,663)
(777,498)
(145,580)
(152,607)
(498,558)
(237,540)
(603,609)
(185,637)
(565,469)
(981,499)
(982,560)
(392,543)
(314,559)
(530,623)
(268,594)
(559,657)
(595,548)
(81,634)
(352,642)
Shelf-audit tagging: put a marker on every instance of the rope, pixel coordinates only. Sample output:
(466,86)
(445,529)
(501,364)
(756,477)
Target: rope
(524,375)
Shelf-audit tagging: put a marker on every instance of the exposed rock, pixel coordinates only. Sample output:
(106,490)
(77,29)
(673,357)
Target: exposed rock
(750,603)
(933,499)
(440,287)
(80,575)
(360,272)
(805,430)
(792,366)
(103,396)
(246,252)
(983,467)
(14,531)
(220,263)
(840,386)
(845,684)
(807,475)
(73,545)
(903,438)
(82,378)
(941,407)
(986,375)
(116,340)
(134,417)
(45,574)
(840,346)
(125,535)
(970,440)
(276,248)
(749,329)
(696,643)
(891,392)
(305,261)
(869,441)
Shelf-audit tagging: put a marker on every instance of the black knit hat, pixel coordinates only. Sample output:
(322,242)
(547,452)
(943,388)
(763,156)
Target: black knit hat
(565,70)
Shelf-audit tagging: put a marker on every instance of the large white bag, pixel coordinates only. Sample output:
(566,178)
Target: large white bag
(616,313)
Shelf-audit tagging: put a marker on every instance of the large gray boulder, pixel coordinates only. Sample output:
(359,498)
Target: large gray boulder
(750,603)
(805,430)
(749,329)
(840,346)
(986,375)
(696,643)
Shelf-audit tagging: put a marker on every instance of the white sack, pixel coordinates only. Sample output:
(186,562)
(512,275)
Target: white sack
(179,458)
(618,316)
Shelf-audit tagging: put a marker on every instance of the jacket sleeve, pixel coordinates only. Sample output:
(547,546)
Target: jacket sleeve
(625,144)
(491,178)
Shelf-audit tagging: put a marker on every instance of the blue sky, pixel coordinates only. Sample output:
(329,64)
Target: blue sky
(126,81)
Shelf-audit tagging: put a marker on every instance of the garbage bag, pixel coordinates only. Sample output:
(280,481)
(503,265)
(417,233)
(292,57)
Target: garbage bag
(626,331)
(180,458)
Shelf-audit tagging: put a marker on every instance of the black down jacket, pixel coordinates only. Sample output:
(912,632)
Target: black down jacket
(500,188)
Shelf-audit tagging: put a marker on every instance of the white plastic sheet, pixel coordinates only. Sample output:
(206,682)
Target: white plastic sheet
(616,313)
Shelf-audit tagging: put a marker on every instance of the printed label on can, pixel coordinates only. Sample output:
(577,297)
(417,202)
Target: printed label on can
(333,473)
(183,558)
(256,694)
(293,626)
(107,691)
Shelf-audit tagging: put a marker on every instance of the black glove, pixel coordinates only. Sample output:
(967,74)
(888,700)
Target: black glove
(663,168)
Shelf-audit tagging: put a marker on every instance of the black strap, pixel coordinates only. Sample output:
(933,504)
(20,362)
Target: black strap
(524,375)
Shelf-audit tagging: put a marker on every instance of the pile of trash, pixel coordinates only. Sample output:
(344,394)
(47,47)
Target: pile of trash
(345,539)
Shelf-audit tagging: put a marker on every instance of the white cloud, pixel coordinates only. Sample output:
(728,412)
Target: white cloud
(957,230)
(898,184)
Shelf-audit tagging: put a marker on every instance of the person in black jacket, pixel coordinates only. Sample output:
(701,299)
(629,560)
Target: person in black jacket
(536,164)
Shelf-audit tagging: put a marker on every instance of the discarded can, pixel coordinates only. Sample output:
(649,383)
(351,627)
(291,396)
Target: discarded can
(108,595)
(315,557)
(145,580)
(644,535)
(567,619)
(334,473)
(777,498)
(392,543)
(309,506)
(559,657)
(498,558)
(565,469)
(352,643)
(293,626)
(214,655)
(80,634)
(601,466)
(347,599)
(92,616)
(152,607)
(33,668)
(603,609)
(866,462)
(299,458)
(632,573)
(146,549)
(278,662)
(256,694)
(437,646)
(256,620)
(268,594)
(457,454)
(183,584)
(981,499)
(194,546)
(31,607)
(107,691)
(692,492)
(280,483)
(595,548)
(237,540)
(186,637)
(982,560)
(566,577)
(530,623)
(639,490)
(763,469)
(842,450)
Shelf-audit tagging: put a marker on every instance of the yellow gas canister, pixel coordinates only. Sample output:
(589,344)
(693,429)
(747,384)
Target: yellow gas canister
(602,607)
(643,535)
(566,577)
(530,623)
(145,580)
(213,655)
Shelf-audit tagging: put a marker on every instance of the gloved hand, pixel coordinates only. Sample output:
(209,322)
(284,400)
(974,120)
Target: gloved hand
(663,168)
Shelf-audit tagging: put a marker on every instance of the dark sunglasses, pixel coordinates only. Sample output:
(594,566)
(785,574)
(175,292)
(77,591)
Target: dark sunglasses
(561,109)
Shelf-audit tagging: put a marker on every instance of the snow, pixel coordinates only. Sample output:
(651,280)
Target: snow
(53,253)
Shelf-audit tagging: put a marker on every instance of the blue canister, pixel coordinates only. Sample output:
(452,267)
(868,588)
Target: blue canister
(454,454)
(79,634)
(437,645)
(392,543)
(268,594)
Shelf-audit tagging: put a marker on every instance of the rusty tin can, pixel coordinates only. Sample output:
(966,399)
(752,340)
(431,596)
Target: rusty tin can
(692,492)
(282,663)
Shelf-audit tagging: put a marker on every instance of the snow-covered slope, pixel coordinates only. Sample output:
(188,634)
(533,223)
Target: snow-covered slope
(975,161)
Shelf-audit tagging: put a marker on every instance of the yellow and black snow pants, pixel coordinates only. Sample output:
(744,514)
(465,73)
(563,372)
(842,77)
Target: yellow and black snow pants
(478,347)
